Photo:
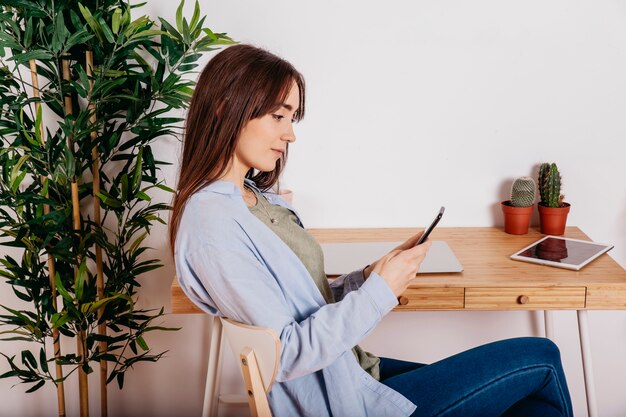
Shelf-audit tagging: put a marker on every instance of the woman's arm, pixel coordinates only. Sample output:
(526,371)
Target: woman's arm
(242,288)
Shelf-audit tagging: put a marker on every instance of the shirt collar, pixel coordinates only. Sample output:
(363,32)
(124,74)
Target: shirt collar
(228,187)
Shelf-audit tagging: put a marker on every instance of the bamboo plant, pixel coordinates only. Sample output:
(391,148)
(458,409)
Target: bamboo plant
(85,91)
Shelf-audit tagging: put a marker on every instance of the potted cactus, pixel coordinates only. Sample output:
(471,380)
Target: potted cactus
(519,208)
(552,210)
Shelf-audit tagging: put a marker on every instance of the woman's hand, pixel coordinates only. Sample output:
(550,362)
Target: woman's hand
(408,244)
(399,266)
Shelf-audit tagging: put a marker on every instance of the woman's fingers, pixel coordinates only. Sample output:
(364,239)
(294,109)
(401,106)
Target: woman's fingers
(410,242)
(415,252)
(382,261)
(399,267)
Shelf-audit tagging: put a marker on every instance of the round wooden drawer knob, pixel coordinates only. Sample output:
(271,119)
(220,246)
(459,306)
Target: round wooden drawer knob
(403,300)
(523,299)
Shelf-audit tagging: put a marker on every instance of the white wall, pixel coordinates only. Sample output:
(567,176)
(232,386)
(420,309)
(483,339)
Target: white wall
(413,105)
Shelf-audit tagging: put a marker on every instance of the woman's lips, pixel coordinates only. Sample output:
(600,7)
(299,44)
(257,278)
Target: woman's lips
(277,152)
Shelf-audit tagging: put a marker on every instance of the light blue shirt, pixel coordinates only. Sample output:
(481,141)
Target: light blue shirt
(232,265)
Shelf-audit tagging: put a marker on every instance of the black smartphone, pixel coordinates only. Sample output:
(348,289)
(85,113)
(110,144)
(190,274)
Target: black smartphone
(431,227)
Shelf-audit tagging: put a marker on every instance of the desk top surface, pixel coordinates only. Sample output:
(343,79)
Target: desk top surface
(485,254)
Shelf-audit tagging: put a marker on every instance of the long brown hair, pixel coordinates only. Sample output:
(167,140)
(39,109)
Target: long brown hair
(239,84)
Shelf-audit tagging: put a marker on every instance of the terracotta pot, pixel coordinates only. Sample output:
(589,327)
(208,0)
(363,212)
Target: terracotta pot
(552,220)
(516,219)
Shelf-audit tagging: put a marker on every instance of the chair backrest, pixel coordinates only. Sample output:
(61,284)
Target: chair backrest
(258,351)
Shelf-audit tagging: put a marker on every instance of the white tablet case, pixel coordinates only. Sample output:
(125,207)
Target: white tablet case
(598,249)
(341,258)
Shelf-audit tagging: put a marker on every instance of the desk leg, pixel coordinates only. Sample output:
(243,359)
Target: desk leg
(549,327)
(211,391)
(583,331)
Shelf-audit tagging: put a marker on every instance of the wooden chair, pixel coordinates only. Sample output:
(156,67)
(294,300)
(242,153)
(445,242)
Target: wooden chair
(258,350)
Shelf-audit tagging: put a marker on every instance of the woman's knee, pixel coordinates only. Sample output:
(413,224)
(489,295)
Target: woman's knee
(539,350)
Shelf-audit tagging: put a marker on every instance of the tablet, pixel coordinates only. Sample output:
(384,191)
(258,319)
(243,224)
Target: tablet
(561,252)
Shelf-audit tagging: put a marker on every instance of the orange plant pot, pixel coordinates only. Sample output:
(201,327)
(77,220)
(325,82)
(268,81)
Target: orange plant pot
(516,219)
(552,220)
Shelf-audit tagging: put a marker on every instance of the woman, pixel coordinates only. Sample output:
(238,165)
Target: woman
(242,252)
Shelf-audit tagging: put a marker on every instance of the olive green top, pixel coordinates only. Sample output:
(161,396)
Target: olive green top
(304,245)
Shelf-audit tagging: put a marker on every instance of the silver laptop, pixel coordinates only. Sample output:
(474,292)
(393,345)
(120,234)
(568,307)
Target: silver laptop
(341,258)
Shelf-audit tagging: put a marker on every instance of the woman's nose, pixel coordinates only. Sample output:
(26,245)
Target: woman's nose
(289,134)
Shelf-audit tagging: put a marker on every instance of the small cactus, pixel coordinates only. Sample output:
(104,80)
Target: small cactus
(550,185)
(523,192)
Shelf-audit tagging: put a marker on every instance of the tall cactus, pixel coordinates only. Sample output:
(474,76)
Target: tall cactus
(550,185)
(523,192)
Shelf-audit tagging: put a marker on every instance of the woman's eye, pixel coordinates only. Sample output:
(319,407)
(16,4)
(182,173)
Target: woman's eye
(278,117)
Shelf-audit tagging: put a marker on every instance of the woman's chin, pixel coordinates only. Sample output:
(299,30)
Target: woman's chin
(266,168)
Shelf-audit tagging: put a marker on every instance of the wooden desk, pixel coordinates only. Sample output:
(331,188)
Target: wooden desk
(492,281)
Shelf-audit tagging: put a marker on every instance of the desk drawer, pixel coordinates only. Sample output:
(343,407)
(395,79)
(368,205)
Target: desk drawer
(432,299)
(524,298)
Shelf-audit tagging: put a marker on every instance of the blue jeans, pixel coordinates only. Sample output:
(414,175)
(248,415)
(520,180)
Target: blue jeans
(521,377)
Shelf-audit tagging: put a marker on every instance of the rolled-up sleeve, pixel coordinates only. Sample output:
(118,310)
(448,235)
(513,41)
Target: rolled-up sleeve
(347,283)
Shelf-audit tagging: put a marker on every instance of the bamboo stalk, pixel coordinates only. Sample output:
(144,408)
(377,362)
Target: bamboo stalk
(81,347)
(95,171)
(56,341)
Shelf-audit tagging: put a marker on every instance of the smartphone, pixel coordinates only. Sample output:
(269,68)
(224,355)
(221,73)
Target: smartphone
(431,227)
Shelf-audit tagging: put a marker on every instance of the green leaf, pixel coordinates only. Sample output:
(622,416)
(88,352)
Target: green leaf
(22,296)
(120,380)
(44,189)
(124,184)
(179,16)
(92,307)
(77,38)
(149,33)
(109,200)
(165,188)
(27,56)
(42,360)
(171,29)
(70,163)
(142,343)
(195,33)
(28,359)
(61,289)
(137,242)
(81,277)
(59,319)
(196,16)
(186,32)
(138,170)
(14,178)
(91,22)
(28,33)
(38,119)
(106,30)
(117,19)
(9,41)
(59,33)
(143,196)
(18,181)
(164,329)
(84,78)
(37,386)
(210,34)
(187,67)
(17,339)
